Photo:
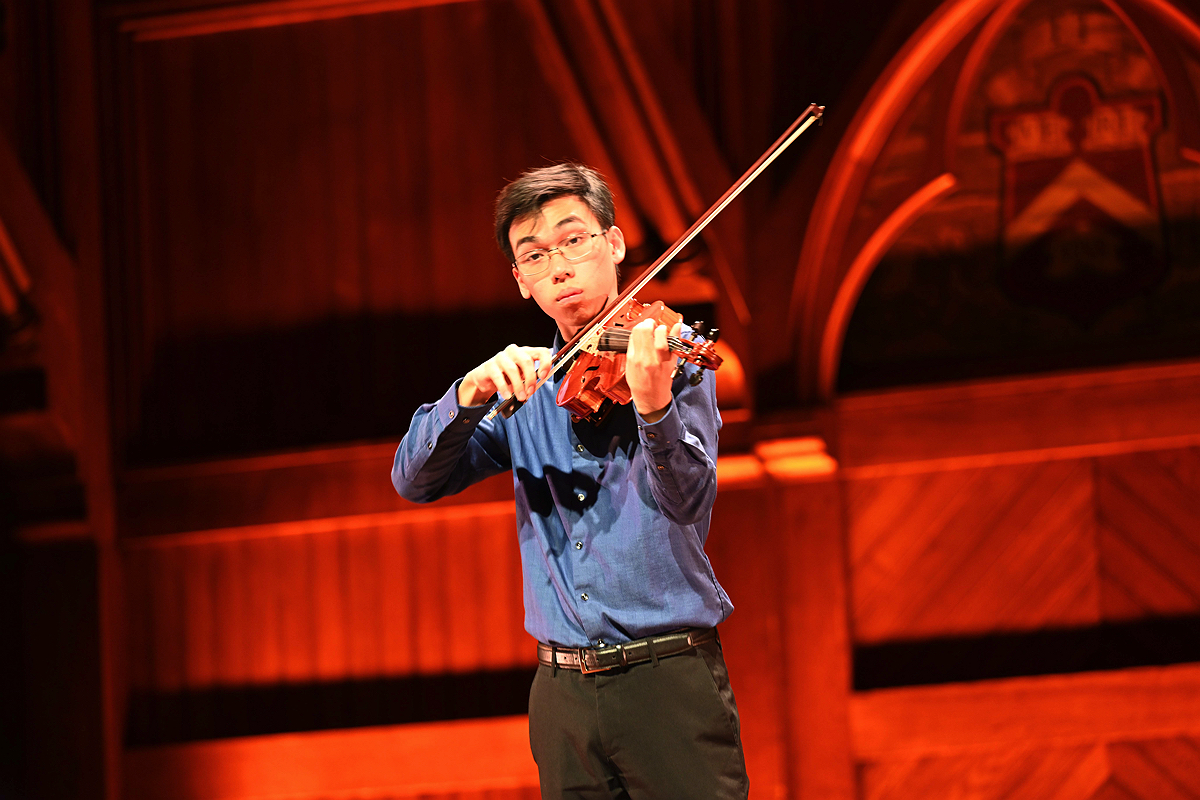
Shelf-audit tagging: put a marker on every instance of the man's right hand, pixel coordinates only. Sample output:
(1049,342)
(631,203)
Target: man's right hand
(509,372)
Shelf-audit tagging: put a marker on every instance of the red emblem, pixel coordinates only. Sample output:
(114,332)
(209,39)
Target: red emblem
(1082,227)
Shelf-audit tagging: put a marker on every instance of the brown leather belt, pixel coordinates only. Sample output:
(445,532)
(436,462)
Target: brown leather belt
(599,659)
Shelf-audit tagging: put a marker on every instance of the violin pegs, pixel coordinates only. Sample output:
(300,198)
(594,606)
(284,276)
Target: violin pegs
(697,376)
(698,327)
(714,334)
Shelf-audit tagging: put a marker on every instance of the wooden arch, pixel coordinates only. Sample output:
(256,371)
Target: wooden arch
(839,253)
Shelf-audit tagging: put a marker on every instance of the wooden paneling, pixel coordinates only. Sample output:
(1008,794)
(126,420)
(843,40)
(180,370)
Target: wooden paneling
(1016,771)
(1159,769)
(972,551)
(908,551)
(304,190)
(817,671)
(298,199)
(1133,704)
(776,548)
(437,589)
(315,484)
(743,527)
(148,21)
(470,760)
(1026,505)
(1093,412)
(1148,506)
(436,593)
(304,170)
(303,202)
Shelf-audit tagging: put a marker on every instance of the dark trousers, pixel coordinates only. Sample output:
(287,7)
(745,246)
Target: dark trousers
(667,731)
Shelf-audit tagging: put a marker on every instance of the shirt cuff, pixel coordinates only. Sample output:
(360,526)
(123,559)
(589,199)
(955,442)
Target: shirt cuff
(450,412)
(659,437)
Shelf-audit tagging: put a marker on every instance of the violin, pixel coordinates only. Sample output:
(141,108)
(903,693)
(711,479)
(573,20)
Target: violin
(596,354)
(596,378)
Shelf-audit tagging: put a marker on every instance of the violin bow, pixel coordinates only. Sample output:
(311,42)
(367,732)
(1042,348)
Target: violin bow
(814,112)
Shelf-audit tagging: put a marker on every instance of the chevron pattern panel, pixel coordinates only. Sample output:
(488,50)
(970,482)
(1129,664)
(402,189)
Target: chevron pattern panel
(1019,772)
(1163,769)
(972,551)
(1148,508)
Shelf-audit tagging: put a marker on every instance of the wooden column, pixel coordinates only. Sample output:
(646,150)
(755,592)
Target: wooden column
(816,636)
(81,203)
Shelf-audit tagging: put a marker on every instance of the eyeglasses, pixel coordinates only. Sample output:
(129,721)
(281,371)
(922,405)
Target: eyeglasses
(574,247)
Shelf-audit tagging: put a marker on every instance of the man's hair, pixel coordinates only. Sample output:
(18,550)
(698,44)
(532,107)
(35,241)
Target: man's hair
(536,187)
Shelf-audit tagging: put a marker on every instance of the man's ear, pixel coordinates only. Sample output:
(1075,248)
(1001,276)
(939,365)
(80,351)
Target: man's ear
(616,241)
(521,283)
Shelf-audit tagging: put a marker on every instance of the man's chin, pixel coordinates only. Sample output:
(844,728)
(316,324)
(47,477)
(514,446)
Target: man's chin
(576,314)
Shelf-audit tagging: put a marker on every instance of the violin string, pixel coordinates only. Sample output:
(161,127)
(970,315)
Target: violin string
(624,336)
(612,338)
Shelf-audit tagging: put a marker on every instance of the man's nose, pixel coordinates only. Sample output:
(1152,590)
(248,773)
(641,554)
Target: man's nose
(561,266)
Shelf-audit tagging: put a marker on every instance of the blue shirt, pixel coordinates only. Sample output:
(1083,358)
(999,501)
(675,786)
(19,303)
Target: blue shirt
(611,519)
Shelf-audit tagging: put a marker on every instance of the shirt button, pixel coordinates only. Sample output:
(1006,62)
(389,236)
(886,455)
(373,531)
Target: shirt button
(661,467)
(651,435)
(600,643)
(583,596)
(451,415)
(579,545)
(579,447)
(581,497)
(429,446)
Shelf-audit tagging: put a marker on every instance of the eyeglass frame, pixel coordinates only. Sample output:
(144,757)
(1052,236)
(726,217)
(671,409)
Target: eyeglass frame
(558,248)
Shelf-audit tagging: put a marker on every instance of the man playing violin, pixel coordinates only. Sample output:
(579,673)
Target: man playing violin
(631,698)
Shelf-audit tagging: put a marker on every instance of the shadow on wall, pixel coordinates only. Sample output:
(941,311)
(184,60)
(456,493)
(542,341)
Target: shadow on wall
(225,711)
(1110,646)
(1084,295)
(235,393)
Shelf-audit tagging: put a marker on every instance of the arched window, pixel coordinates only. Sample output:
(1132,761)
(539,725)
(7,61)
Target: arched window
(1019,193)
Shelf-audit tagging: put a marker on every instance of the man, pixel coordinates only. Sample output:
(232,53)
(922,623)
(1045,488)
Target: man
(632,698)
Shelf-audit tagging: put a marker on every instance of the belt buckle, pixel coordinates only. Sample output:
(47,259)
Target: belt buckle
(583,667)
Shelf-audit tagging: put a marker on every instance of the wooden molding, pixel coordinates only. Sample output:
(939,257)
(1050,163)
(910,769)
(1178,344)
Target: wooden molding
(394,761)
(347,487)
(308,527)
(1015,420)
(145,24)
(1089,707)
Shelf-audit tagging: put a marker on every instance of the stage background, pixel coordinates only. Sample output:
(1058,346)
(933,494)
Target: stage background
(959,509)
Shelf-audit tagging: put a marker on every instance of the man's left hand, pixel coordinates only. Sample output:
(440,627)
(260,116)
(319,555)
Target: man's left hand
(649,365)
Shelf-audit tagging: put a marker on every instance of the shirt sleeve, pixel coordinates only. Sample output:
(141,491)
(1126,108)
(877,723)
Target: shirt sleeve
(448,447)
(679,451)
